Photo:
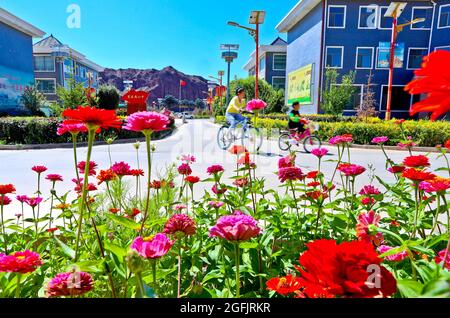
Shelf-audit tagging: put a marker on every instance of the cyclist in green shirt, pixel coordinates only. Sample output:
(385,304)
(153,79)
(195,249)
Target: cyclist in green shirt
(295,121)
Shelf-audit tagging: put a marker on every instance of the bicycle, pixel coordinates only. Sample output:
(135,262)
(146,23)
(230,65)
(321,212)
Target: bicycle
(308,138)
(251,139)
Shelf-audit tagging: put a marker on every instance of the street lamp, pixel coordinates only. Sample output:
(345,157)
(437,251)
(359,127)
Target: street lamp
(256,17)
(394,11)
(229,56)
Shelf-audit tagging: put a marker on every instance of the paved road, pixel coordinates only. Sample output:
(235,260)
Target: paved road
(197,137)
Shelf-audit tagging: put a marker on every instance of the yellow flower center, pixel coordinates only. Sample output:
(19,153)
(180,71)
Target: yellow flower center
(149,238)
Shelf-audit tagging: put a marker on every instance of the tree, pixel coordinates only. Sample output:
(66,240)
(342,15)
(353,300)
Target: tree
(73,96)
(199,103)
(367,107)
(337,96)
(108,97)
(170,102)
(33,100)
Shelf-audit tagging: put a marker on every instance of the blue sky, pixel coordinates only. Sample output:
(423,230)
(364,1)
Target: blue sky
(155,33)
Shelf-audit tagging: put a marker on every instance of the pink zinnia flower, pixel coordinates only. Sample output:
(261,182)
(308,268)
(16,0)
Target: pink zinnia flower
(92,166)
(395,257)
(54,177)
(152,247)
(214,169)
(319,152)
(180,207)
(4,200)
(256,104)
(70,284)
(188,159)
(236,227)
(286,162)
(22,198)
(184,169)
(366,228)
(435,185)
(369,190)
(147,122)
(290,173)
(219,190)
(33,202)
(351,169)
(216,204)
(73,128)
(20,262)
(121,168)
(380,140)
(180,223)
(39,169)
(440,258)
(367,201)
(341,139)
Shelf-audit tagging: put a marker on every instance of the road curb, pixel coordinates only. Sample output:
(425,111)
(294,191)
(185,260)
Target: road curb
(79,145)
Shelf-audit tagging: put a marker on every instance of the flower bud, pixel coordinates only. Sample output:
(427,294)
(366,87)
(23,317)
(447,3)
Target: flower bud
(153,147)
(134,262)
(137,145)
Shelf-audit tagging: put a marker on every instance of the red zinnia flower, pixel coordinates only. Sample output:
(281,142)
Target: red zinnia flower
(219,190)
(417,174)
(54,177)
(245,159)
(180,223)
(192,179)
(313,174)
(330,270)
(184,169)
(364,228)
(135,212)
(106,176)
(284,285)
(4,200)
(416,161)
(52,230)
(313,184)
(437,184)
(121,169)
(447,144)
(94,117)
(317,195)
(290,173)
(7,189)
(39,169)
(241,182)
(92,166)
(432,79)
(114,210)
(20,262)
(137,172)
(440,258)
(237,150)
(285,162)
(70,284)
(351,169)
(396,169)
(214,169)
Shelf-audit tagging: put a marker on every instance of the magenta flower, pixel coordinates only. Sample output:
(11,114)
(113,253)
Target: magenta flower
(184,169)
(22,198)
(180,207)
(380,140)
(189,159)
(180,223)
(369,190)
(236,227)
(152,247)
(72,128)
(54,177)
(341,139)
(440,259)
(351,170)
(319,152)
(147,122)
(367,222)
(33,202)
(219,190)
(121,169)
(286,162)
(70,284)
(4,200)
(39,169)
(395,257)
(92,166)
(214,169)
(291,174)
(256,104)
(20,262)
(216,204)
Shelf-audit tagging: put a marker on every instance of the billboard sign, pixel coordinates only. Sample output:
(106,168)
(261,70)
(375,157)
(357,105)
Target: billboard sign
(12,86)
(299,85)
(384,50)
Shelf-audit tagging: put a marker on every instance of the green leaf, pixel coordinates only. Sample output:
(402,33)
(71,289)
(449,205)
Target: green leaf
(119,251)
(212,275)
(66,249)
(409,288)
(90,266)
(120,220)
(393,251)
(248,245)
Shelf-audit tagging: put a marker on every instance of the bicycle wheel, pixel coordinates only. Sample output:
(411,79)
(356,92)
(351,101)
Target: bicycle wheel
(311,142)
(252,139)
(284,142)
(222,138)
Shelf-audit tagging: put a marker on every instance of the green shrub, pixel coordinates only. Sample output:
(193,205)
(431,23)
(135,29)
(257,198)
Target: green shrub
(108,97)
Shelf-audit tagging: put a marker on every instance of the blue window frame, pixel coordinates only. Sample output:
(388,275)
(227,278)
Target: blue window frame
(336,16)
(422,13)
(415,57)
(335,56)
(444,16)
(364,57)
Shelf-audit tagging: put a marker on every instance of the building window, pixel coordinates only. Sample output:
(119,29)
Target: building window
(46,86)
(385,23)
(335,55)
(444,16)
(442,48)
(44,64)
(279,62)
(367,17)
(336,16)
(415,57)
(364,57)
(401,99)
(262,63)
(422,13)
(279,82)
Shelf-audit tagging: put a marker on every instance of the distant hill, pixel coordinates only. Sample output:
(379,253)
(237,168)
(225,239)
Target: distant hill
(158,82)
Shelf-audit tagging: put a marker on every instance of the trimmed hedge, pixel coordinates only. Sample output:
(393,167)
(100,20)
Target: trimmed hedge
(424,132)
(313,117)
(41,130)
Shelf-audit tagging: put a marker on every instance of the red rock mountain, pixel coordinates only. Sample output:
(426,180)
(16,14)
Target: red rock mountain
(158,82)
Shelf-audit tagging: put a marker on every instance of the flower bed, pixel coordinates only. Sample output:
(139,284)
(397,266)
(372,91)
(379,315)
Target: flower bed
(425,133)
(38,130)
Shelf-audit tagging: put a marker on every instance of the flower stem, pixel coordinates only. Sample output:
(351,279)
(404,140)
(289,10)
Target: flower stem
(149,178)
(238,281)
(17,295)
(140,284)
(3,224)
(179,271)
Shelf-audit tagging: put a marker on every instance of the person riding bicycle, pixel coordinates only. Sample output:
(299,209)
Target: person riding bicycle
(296,122)
(235,109)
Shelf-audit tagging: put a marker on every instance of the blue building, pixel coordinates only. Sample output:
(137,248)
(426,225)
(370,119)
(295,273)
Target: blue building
(272,63)
(16,60)
(55,63)
(355,36)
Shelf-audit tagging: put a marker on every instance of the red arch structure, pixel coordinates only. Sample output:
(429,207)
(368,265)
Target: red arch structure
(136,101)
